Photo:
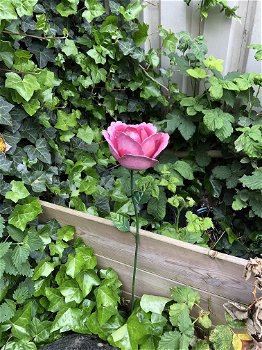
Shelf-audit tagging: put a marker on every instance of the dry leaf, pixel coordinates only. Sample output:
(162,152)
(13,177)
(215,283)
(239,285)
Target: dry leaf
(236,310)
(254,266)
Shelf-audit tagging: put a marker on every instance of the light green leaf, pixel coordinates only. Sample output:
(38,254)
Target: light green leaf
(66,320)
(70,48)
(18,191)
(132,10)
(67,120)
(20,255)
(152,303)
(221,337)
(122,339)
(25,87)
(86,134)
(198,73)
(71,291)
(250,141)
(20,323)
(254,181)
(56,299)
(21,294)
(74,264)
(24,213)
(40,330)
(184,169)
(185,295)
(93,10)
(86,280)
(20,345)
(120,221)
(214,63)
(141,34)
(169,340)
(24,7)
(218,121)
(44,268)
(7,11)
(66,233)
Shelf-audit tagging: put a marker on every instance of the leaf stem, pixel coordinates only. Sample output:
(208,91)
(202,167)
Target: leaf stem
(136,240)
(149,76)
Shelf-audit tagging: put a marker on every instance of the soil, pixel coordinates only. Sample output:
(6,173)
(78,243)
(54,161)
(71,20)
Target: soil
(78,342)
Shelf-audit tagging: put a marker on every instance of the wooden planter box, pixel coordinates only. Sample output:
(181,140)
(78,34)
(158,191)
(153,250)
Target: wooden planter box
(163,262)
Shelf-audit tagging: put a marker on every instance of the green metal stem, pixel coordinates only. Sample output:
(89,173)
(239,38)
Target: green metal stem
(136,240)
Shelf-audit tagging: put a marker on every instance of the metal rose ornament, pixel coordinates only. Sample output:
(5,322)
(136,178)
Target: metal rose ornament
(135,147)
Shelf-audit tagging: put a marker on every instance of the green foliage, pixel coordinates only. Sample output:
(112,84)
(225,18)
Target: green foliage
(68,69)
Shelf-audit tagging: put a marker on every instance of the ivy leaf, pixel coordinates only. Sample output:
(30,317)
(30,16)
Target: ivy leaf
(44,268)
(20,322)
(24,7)
(56,299)
(5,108)
(67,319)
(86,134)
(93,10)
(40,151)
(18,191)
(185,295)
(25,87)
(157,206)
(221,337)
(6,53)
(141,34)
(70,48)
(66,233)
(86,280)
(120,221)
(70,290)
(7,11)
(36,179)
(67,120)
(74,264)
(40,330)
(132,10)
(21,345)
(24,213)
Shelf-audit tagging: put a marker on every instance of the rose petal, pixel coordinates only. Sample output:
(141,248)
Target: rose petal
(111,145)
(130,161)
(148,127)
(154,144)
(133,133)
(116,126)
(126,145)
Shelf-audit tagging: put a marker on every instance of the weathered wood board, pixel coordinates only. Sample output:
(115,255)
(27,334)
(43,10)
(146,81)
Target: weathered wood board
(163,262)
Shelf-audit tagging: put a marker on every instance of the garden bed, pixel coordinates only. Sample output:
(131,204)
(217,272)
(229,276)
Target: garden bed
(163,262)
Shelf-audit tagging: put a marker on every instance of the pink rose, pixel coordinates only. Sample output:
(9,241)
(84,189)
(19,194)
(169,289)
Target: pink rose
(135,146)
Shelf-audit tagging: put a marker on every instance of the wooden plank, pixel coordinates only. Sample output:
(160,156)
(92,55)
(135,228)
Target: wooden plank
(148,283)
(187,264)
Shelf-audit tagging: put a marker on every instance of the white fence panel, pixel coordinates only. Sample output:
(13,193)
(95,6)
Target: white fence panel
(226,38)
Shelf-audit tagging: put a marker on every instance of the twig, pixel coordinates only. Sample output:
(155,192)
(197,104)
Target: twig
(17,72)
(34,36)
(153,79)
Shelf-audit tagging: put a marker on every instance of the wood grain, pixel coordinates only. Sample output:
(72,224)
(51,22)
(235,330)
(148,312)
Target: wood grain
(163,262)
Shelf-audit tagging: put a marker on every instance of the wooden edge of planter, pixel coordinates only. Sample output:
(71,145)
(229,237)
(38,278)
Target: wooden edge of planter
(163,262)
(153,236)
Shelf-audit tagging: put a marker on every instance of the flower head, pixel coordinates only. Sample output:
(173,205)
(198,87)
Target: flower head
(135,146)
